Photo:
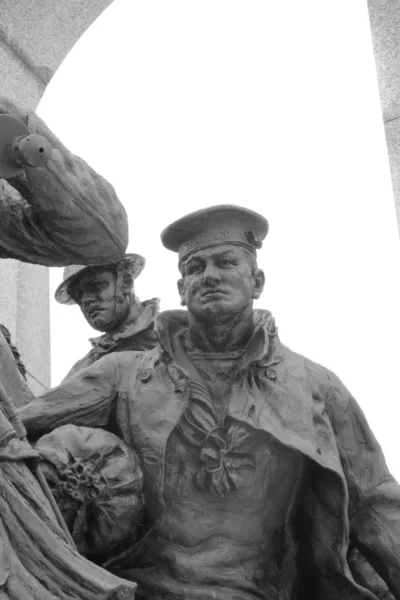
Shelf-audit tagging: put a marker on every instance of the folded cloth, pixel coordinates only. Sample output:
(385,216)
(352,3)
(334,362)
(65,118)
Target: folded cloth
(36,560)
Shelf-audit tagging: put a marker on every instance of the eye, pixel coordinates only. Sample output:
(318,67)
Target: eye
(226,262)
(76,294)
(194,268)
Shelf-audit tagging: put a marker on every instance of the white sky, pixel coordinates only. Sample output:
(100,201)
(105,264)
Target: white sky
(271,105)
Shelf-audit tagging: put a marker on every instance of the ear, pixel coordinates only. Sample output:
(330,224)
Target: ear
(181,290)
(259,282)
(127,283)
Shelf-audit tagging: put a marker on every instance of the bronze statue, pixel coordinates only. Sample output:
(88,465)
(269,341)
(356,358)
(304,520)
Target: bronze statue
(107,299)
(260,470)
(52,215)
(62,212)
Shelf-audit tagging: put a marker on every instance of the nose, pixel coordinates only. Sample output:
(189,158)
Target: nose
(87,298)
(211,274)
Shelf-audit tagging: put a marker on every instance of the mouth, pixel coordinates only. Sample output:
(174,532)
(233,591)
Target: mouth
(94,312)
(213,293)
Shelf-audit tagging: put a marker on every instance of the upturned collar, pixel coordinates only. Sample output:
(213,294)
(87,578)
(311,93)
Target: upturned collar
(264,347)
(143,320)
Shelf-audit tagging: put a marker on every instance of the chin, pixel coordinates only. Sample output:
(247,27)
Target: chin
(99,324)
(215,310)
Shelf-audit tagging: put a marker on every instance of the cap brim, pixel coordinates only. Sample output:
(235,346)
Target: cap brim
(190,225)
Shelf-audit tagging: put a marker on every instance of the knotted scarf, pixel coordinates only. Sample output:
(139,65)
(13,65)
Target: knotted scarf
(219,444)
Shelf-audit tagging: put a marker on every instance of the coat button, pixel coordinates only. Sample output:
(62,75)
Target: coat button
(271,374)
(145,375)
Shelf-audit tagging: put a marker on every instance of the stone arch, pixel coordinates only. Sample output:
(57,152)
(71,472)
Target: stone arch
(35,37)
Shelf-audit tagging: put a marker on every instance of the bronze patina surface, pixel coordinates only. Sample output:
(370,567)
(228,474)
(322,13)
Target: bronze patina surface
(52,215)
(262,477)
(107,299)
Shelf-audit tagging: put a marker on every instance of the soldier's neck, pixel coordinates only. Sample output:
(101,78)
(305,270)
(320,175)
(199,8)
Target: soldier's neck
(223,334)
(135,308)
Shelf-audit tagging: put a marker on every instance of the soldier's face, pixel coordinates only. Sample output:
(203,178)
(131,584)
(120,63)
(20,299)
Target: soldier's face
(95,292)
(220,281)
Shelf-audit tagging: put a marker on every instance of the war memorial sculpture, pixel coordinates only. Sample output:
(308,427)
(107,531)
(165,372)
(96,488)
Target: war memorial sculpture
(241,469)
(261,476)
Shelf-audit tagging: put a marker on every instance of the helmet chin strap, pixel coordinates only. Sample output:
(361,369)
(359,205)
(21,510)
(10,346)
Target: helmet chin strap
(119,296)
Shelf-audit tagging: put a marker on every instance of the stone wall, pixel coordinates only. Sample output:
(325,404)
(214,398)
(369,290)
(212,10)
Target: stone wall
(385,28)
(35,37)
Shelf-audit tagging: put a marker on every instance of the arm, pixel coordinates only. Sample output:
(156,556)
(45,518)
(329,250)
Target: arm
(85,399)
(61,213)
(374,494)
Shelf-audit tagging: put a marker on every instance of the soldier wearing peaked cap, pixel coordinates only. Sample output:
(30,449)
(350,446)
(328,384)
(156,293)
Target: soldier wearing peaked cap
(263,479)
(107,299)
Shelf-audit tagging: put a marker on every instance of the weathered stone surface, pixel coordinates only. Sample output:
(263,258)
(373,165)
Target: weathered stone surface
(24,309)
(35,37)
(385,26)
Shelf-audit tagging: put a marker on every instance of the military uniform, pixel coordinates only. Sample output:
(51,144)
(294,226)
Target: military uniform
(259,502)
(136,332)
(136,336)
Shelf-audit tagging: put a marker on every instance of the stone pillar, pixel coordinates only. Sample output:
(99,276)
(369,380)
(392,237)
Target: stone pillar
(385,27)
(35,37)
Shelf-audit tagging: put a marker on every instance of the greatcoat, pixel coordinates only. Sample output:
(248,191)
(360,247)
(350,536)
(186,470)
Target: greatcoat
(349,496)
(137,335)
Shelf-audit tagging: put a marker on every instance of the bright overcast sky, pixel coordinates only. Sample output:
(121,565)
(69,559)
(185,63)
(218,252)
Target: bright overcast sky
(271,105)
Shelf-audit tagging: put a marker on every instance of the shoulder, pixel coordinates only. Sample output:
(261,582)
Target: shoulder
(82,363)
(323,383)
(313,371)
(137,342)
(135,359)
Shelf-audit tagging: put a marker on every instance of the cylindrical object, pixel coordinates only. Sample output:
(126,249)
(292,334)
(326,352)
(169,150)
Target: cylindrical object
(19,148)
(29,151)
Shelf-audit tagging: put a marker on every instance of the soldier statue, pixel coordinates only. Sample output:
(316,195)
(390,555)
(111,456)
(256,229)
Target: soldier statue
(106,296)
(261,474)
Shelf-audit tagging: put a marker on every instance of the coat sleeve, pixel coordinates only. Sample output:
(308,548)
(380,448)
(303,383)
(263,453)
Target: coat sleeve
(85,399)
(61,213)
(374,494)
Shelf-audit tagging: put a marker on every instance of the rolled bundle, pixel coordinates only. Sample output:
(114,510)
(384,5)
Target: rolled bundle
(97,482)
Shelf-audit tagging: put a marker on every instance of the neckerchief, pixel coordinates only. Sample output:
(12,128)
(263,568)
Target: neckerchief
(219,443)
